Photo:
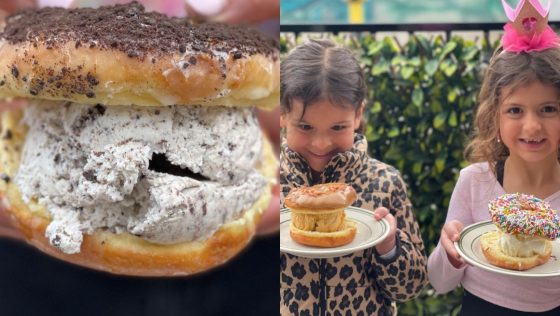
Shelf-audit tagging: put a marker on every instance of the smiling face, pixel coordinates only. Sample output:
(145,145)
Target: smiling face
(529,120)
(325,130)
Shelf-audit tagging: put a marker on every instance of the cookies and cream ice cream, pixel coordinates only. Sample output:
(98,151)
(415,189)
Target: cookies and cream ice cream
(168,175)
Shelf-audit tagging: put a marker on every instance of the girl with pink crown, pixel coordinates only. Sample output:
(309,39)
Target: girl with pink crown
(515,148)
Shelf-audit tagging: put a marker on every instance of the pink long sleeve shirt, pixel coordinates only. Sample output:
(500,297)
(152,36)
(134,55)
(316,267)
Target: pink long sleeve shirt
(476,186)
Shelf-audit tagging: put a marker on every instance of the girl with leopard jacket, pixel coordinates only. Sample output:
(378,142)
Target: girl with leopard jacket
(322,101)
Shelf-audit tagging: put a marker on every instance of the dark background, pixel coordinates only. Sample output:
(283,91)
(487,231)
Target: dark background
(32,283)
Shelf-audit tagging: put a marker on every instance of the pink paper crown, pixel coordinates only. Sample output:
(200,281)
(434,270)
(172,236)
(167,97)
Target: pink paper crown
(528,29)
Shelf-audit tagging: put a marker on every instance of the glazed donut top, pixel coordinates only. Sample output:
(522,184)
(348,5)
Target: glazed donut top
(523,214)
(325,196)
(122,55)
(132,30)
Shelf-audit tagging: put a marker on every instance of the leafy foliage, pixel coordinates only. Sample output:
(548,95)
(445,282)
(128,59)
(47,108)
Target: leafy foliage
(422,98)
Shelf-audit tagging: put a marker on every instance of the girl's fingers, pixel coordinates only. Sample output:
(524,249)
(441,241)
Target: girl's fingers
(453,230)
(449,247)
(380,213)
(12,105)
(235,11)
(270,220)
(449,235)
(168,7)
(270,124)
(11,6)
(8,7)
(6,228)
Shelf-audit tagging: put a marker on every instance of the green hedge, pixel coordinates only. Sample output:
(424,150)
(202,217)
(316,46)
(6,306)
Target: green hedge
(421,101)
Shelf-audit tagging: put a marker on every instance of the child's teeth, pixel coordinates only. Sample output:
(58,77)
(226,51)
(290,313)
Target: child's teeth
(533,140)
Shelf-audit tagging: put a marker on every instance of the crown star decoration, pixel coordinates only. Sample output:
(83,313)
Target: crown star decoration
(528,29)
(528,17)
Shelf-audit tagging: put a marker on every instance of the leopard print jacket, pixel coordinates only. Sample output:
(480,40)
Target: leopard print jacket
(360,283)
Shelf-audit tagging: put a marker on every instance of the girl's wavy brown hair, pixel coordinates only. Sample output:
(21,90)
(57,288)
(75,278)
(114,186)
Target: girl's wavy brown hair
(509,70)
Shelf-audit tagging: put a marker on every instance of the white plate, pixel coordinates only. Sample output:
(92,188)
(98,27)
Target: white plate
(469,248)
(370,232)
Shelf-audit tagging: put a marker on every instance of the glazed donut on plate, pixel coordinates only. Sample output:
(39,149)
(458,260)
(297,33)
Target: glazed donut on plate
(526,225)
(318,216)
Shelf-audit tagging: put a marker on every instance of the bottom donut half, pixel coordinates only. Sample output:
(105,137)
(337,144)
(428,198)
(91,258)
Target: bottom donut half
(493,253)
(325,239)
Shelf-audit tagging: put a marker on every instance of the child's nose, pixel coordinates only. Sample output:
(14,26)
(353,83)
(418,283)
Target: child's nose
(532,124)
(321,142)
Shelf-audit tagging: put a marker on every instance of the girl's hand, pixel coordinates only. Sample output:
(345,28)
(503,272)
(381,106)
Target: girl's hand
(11,6)
(389,243)
(270,124)
(235,11)
(6,227)
(450,234)
(168,7)
(270,220)
(12,105)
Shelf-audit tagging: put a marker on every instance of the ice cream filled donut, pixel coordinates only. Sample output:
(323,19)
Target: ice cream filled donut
(318,215)
(139,151)
(526,225)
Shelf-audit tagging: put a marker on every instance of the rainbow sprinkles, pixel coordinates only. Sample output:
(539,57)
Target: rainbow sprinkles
(523,214)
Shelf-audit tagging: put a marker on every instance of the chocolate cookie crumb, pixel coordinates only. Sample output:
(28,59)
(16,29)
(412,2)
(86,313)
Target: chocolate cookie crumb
(89,175)
(15,71)
(8,135)
(91,79)
(237,55)
(132,30)
(5,177)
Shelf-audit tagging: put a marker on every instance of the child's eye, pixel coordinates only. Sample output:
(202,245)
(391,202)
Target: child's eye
(514,110)
(304,127)
(338,127)
(549,109)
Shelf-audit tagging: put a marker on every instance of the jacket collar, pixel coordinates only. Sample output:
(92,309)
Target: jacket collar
(343,167)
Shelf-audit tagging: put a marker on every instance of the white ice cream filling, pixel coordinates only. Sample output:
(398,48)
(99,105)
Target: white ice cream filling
(166,174)
(518,246)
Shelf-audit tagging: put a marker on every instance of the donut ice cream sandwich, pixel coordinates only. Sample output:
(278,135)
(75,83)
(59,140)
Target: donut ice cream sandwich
(318,217)
(139,151)
(526,226)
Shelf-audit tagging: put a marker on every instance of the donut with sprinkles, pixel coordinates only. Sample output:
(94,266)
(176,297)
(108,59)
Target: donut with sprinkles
(523,214)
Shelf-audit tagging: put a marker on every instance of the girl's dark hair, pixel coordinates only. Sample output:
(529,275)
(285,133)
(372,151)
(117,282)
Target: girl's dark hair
(318,70)
(507,70)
